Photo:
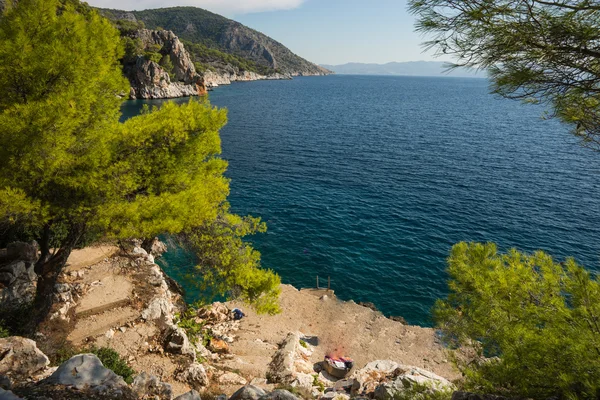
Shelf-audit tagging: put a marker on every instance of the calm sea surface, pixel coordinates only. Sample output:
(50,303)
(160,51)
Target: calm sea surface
(370,180)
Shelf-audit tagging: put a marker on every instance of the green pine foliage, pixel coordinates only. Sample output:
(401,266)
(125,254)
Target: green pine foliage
(537,51)
(153,56)
(166,64)
(71,173)
(229,266)
(537,322)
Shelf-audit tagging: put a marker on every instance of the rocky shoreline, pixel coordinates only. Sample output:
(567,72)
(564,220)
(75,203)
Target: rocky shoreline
(120,299)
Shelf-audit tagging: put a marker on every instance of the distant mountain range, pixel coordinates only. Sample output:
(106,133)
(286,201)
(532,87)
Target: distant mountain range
(411,68)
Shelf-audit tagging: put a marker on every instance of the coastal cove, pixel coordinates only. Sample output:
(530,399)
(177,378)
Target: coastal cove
(371,180)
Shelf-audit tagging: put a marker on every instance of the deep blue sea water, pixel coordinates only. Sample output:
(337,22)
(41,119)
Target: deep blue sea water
(370,180)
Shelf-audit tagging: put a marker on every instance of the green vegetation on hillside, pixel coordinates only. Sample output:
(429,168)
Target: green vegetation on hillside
(216,36)
(538,318)
(206,58)
(72,174)
(537,51)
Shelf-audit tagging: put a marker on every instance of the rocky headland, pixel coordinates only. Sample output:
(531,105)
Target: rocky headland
(120,299)
(187,50)
(150,80)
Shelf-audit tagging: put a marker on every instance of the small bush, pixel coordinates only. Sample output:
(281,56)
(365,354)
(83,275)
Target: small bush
(152,56)
(318,383)
(113,361)
(303,344)
(3,331)
(422,392)
(193,329)
(15,320)
(64,353)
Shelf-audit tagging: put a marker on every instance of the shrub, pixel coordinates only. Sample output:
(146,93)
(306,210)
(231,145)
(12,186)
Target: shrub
(318,383)
(538,318)
(15,319)
(3,331)
(419,391)
(113,361)
(152,56)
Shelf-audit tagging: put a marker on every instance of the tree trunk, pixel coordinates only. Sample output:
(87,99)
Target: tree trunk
(49,269)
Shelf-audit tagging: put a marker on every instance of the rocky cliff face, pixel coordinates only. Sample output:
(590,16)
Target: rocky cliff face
(150,81)
(239,39)
(222,34)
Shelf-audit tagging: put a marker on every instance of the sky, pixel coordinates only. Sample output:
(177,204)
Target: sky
(322,31)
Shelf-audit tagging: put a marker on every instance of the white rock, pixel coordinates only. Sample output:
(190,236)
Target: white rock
(230,378)
(158,307)
(86,371)
(195,375)
(20,358)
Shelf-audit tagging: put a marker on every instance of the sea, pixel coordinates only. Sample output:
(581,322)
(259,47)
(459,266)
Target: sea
(370,180)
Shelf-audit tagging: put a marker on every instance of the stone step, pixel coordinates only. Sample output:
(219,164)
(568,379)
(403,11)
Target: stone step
(102,308)
(109,291)
(98,324)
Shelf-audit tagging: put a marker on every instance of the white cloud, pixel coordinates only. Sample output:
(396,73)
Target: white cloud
(226,7)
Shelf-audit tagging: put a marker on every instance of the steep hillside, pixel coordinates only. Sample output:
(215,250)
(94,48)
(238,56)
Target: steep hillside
(216,33)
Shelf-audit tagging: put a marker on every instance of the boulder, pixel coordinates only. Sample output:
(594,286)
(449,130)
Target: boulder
(290,365)
(150,387)
(346,385)
(195,375)
(191,395)
(18,284)
(248,392)
(281,368)
(10,272)
(20,358)
(178,343)
(22,251)
(385,379)
(159,307)
(216,312)
(8,395)
(231,378)
(154,247)
(85,371)
(218,346)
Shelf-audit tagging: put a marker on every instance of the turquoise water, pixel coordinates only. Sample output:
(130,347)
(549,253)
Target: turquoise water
(370,180)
